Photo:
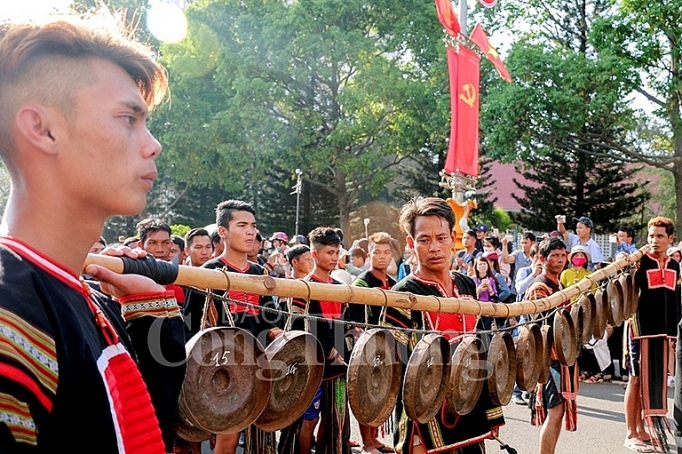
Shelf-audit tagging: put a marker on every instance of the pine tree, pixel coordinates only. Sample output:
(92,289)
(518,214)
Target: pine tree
(577,184)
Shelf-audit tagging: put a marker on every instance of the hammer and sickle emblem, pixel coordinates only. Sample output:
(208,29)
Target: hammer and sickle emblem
(469,95)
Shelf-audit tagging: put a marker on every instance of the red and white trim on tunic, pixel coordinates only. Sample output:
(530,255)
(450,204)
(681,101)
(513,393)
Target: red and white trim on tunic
(136,426)
(137,430)
(663,277)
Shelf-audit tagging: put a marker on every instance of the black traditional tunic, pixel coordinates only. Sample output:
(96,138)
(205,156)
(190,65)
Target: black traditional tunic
(658,311)
(250,318)
(70,385)
(446,431)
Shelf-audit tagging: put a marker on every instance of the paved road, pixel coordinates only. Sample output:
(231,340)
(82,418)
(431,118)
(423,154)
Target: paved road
(601,424)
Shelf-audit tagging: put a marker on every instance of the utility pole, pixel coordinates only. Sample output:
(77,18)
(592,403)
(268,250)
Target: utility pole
(297,190)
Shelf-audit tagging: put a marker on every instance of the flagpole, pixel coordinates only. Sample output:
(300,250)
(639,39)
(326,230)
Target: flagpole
(463,16)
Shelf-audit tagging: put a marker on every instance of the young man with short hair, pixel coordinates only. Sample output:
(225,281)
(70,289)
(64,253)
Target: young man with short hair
(552,403)
(75,94)
(198,246)
(464,259)
(334,431)
(236,221)
(521,258)
(652,327)
(428,224)
(155,238)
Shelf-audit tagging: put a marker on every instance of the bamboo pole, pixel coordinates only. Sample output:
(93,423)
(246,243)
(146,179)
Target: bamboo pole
(265,285)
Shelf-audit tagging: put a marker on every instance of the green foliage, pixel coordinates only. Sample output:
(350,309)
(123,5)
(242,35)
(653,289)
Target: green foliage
(501,219)
(180,229)
(325,86)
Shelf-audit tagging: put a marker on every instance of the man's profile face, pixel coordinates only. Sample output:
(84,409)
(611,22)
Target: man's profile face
(158,244)
(555,261)
(241,232)
(469,241)
(433,242)
(381,256)
(105,133)
(326,257)
(200,250)
(658,240)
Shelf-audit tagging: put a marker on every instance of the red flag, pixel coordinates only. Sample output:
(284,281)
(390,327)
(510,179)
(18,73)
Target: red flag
(447,17)
(479,38)
(463,69)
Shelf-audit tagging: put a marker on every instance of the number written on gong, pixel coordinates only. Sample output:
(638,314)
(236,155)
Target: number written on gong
(220,360)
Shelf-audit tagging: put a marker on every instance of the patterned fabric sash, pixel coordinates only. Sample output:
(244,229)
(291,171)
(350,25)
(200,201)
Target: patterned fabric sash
(653,382)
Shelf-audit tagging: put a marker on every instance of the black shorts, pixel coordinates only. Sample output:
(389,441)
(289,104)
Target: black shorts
(551,391)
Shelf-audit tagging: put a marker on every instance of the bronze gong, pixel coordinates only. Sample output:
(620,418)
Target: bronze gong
(426,378)
(296,364)
(601,309)
(502,368)
(626,285)
(224,390)
(615,295)
(467,376)
(373,379)
(565,338)
(546,353)
(528,361)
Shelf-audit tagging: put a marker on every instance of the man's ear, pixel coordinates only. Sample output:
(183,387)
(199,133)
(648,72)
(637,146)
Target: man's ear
(222,231)
(33,124)
(541,258)
(139,244)
(313,254)
(410,242)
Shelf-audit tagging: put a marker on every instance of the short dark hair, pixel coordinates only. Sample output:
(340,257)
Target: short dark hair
(223,212)
(529,236)
(177,239)
(550,244)
(425,206)
(629,231)
(215,237)
(323,236)
(189,237)
(339,232)
(471,233)
(494,240)
(297,251)
(660,221)
(150,225)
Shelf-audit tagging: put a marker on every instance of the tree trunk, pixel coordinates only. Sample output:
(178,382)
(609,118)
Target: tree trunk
(677,178)
(344,206)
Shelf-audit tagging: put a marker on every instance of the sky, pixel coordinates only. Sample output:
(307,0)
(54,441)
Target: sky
(25,9)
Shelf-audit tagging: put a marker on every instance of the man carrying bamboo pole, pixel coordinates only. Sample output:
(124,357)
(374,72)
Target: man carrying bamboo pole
(428,224)
(554,401)
(236,221)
